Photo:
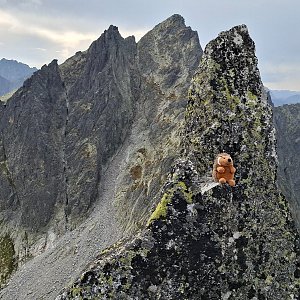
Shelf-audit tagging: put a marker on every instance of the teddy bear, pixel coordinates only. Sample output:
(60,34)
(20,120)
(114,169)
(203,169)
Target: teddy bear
(223,169)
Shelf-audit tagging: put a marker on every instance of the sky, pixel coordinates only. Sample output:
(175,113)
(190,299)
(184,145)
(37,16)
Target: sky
(37,31)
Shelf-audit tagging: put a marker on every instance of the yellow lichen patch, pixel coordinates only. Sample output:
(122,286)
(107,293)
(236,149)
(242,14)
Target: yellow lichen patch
(86,107)
(251,96)
(7,258)
(187,194)
(161,209)
(76,292)
(4,168)
(232,99)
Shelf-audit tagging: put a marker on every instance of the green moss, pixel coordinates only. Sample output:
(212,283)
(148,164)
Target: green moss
(7,258)
(187,194)
(161,209)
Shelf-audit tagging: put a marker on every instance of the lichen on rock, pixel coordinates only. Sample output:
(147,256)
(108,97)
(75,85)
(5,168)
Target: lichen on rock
(7,258)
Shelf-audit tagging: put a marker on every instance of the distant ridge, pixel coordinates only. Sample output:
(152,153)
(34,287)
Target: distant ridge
(281,97)
(13,74)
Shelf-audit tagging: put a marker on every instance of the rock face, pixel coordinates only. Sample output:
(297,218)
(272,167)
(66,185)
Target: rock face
(101,129)
(100,106)
(205,241)
(167,57)
(287,119)
(13,74)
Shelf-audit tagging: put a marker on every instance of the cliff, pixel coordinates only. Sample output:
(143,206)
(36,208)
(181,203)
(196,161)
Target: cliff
(205,241)
(286,120)
(85,144)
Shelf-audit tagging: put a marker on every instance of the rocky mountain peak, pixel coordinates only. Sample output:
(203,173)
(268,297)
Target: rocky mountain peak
(106,147)
(234,51)
(161,63)
(204,240)
(228,107)
(175,21)
(98,134)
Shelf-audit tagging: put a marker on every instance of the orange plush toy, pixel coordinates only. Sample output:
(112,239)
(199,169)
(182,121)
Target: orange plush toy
(223,170)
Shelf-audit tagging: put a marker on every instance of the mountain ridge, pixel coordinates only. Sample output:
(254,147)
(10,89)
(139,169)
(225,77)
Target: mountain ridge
(281,97)
(107,86)
(14,73)
(111,152)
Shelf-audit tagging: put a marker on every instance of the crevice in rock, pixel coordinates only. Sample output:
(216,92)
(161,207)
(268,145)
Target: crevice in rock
(64,160)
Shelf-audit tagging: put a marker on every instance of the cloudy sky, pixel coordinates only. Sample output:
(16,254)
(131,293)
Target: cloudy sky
(37,31)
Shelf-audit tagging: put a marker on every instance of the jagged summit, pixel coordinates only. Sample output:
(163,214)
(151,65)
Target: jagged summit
(86,147)
(206,241)
(112,28)
(105,154)
(175,20)
(228,105)
(161,58)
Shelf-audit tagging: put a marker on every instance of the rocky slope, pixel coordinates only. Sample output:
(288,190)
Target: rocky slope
(85,145)
(13,74)
(205,241)
(287,119)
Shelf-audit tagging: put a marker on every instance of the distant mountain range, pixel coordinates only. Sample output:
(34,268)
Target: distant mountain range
(13,74)
(280,97)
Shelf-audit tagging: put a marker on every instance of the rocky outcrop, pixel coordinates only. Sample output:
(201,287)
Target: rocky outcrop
(32,130)
(205,241)
(56,141)
(197,247)
(286,119)
(101,129)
